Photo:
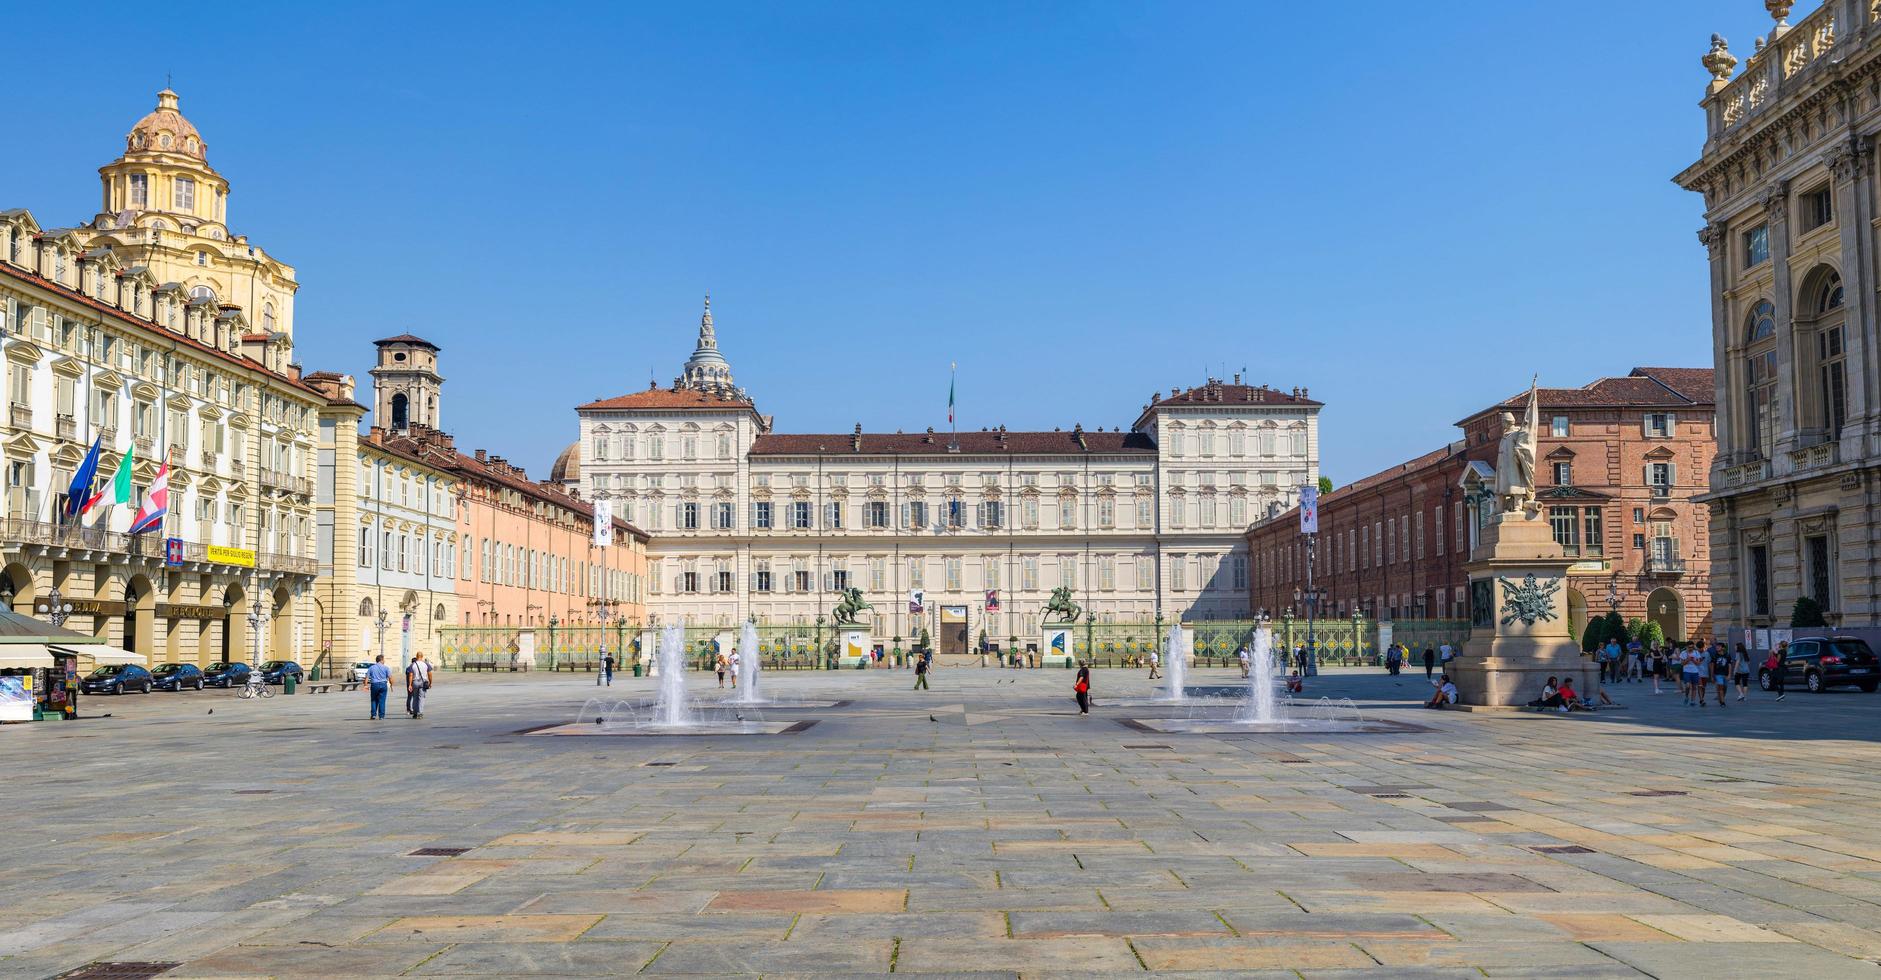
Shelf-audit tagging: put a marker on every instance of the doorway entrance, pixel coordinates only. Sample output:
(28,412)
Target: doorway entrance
(953,631)
(1666,608)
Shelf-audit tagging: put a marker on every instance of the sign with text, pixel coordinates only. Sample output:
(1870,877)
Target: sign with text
(224,555)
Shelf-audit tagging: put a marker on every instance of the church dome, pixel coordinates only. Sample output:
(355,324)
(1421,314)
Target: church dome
(566,469)
(166,131)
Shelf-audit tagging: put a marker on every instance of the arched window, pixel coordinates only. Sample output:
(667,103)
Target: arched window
(401,412)
(1830,353)
(1761,377)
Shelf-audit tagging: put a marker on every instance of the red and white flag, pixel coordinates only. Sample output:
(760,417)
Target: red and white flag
(156,503)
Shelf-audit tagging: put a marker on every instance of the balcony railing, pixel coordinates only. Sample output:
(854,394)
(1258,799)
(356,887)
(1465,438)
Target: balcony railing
(20,416)
(144,445)
(1744,474)
(1816,456)
(208,459)
(107,435)
(51,534)
(291,564)
(65,427)
(1775,69)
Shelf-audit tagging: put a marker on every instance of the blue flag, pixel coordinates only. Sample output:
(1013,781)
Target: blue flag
(80,492)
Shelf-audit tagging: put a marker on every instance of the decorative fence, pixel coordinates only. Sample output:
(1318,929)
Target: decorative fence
(1340,642)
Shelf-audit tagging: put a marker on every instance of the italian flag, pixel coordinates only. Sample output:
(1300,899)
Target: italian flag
(120,484)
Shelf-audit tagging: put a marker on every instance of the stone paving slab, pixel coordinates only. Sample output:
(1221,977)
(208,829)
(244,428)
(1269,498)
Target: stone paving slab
(1012,840)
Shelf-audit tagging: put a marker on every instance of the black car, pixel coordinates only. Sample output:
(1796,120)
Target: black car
(176,677)
(277,671)
(1822,662)
(225,674)
(116,679)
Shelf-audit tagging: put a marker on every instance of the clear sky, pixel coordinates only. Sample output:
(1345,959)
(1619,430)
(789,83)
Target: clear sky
(1407,208)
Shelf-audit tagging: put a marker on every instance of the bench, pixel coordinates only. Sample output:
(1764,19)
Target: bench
(348,686)
(319,688)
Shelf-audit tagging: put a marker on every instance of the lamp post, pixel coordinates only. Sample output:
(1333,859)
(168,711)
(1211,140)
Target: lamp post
(54,607)
(381,623)
(258,618)
(553,622)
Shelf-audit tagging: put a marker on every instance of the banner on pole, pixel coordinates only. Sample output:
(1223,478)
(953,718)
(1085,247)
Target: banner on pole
(916,599)
(603,522)
(1309,509)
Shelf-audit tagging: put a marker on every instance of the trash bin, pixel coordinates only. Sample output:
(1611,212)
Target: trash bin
(1068,662)
(638,669)
(288,683)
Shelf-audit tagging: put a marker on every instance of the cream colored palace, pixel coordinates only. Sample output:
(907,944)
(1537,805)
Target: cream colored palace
(747,521)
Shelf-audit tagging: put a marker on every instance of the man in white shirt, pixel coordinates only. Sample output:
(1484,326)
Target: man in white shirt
(1247,662)
(734,666)
(1154,661)
(417,684)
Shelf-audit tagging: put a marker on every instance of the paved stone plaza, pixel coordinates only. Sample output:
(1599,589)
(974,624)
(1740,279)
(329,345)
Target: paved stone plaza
(981,828)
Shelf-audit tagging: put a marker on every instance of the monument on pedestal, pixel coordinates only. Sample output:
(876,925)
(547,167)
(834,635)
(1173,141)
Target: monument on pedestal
(1059,618)
(1519,629)
(855,644)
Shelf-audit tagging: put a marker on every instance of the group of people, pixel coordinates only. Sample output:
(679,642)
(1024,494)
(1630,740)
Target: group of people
(418,676)
(1397,655)
(1705,671)
(727,662)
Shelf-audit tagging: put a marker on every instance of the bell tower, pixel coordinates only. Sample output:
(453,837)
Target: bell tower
(406,384)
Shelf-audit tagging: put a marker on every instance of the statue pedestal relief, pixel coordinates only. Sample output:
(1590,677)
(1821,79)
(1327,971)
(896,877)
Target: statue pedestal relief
(1519,630)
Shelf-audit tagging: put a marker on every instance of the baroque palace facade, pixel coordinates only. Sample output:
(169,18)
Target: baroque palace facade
(748,522)
(1790,189)
(155,331)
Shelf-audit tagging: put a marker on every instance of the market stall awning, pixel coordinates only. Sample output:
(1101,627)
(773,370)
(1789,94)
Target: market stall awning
(99,653)
(24,656)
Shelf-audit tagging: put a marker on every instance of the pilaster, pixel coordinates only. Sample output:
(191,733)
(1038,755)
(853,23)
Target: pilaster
(1776,205)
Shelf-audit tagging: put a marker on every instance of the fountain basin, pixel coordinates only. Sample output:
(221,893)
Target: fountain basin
(1282,726)
(653,730)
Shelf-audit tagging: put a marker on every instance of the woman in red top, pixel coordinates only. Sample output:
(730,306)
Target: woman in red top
(1774,667)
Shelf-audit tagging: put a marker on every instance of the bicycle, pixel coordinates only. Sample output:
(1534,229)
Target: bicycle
(255,688)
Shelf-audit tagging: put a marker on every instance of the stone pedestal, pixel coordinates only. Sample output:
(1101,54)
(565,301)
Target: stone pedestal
(1057,644)
(854,646)
(1519,629)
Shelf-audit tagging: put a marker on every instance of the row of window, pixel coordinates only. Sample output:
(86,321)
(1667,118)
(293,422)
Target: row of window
(1818,568)
(499,563)
(386,483)
(1205,511)
(1107,573)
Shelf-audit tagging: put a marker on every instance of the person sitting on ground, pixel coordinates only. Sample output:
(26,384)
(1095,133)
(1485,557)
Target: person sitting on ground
(1550,694)
(1446,694)
(1295,683)
(1570,698)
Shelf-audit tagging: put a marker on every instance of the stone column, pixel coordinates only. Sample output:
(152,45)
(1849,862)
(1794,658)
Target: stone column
(1716,237)
(1776,207)
(1854,207)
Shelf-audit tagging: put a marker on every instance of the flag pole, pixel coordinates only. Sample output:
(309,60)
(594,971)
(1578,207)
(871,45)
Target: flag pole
(953,440)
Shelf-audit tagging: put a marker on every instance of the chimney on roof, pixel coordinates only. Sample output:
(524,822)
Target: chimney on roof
(1155,396)
(1174,391)
(855,441)
(1237,377)
(1303,393)
(481,458)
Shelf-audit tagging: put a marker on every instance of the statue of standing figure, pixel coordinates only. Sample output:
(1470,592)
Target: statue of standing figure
(1515,459)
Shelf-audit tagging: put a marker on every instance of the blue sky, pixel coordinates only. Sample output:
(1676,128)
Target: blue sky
(1406,208)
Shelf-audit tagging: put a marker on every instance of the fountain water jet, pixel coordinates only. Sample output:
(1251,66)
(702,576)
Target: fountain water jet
(1178,664)
(1260,705)
(672,708)
(747,666)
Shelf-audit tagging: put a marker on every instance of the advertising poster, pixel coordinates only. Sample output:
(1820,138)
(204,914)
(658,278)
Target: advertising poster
(16,699)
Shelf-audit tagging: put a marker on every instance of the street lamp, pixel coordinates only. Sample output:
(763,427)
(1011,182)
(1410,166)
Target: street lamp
(381,623)
(257,618)
(553,622)
(54,607)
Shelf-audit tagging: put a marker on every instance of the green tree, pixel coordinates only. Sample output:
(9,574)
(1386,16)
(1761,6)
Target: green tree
(1636,629)
(1808,613)
(1615,627)
(1325,484)
(1595,635)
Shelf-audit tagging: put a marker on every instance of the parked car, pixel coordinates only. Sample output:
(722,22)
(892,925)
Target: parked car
(225,674)
(116,679)
(359,670)
(277,671)
(1821,662)
(176,677)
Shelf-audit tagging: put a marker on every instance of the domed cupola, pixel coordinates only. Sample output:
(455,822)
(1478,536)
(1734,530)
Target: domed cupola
(707,369)
(164,130)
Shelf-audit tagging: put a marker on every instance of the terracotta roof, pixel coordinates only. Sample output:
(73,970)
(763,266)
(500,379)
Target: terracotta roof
(669,398)
(1643,388)
(406,338)
(977,443)
(1434,457)
(1694,383)
(157,329)
(474,469)
(1220,393)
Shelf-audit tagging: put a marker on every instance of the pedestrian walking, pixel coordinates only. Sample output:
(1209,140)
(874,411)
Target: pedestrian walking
(1692,675)
(1393,655)
(733,663)
(1720,670)
(1081,688)
(378,682)
(1740,670)
(1155,661)
(920,672)
(1430,662)
(417,684)
(1657,658)
(1774,665)
(1247,661)
(607,670)
(719,662)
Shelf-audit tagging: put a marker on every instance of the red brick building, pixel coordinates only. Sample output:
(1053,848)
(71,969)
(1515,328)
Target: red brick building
(1618,462)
